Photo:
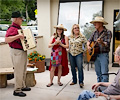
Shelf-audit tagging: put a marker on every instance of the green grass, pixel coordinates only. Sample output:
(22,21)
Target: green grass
(9,22)
(5,22)
(24,24)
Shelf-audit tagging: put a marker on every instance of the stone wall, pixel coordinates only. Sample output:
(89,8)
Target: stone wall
(5,59)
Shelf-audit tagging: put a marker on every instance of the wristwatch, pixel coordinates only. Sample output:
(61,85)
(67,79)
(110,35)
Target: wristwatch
(108,97)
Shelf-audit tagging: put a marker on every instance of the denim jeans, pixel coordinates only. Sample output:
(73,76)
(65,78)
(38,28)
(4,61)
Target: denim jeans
(86,95)
(101,67)
(77,61)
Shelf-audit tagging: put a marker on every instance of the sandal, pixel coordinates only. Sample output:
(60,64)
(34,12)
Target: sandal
(60,84)
(49,85)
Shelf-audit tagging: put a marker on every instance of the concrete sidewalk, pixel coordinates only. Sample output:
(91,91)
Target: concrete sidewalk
(55,92)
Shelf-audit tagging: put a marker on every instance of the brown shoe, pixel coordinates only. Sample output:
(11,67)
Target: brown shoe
(73,83)
(81,85)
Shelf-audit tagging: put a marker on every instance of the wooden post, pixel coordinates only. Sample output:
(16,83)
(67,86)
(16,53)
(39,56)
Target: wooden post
(3,80)
(30,79)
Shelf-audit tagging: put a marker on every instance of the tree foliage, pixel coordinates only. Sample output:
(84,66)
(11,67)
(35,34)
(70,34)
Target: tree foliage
(8,6)
(89,28)
(29,9)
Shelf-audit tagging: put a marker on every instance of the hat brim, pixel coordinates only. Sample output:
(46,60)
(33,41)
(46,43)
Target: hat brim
(61,28)
(16,16)
(104,23)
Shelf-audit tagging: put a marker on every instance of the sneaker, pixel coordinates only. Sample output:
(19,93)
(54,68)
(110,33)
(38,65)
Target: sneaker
(26,89)
(81,85)
(20,94)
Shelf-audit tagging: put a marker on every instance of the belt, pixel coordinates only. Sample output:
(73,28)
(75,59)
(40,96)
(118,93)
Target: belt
(104,52)
(17,48)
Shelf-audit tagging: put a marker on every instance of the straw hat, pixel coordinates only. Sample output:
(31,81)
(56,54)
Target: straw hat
(99,19)
(61,27)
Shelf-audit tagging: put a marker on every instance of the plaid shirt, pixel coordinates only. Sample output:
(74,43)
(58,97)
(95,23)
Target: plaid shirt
(106,38)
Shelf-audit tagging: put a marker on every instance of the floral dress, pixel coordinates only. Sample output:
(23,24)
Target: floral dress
(59,57)
(56,55)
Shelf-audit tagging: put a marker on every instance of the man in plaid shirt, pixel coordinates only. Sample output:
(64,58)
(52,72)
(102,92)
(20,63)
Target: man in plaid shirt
(102,58)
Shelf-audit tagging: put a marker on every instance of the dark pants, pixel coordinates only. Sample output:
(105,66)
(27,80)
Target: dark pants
(101,88)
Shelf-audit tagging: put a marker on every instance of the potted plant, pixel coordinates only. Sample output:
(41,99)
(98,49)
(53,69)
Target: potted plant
(38,59)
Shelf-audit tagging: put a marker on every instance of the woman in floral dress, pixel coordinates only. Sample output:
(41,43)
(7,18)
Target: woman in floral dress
(59,62)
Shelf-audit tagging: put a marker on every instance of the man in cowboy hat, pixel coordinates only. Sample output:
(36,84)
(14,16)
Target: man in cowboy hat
(18,56)
(103,43)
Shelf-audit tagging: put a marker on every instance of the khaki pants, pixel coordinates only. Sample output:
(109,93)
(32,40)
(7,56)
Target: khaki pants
(19,60)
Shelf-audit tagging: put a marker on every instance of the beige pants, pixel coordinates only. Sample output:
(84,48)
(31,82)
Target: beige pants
(19,60)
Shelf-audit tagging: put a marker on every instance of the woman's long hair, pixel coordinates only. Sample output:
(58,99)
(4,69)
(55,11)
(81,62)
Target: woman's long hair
(62,34)
(72,33)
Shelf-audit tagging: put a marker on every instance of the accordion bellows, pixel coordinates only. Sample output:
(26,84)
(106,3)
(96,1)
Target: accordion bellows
(29,41)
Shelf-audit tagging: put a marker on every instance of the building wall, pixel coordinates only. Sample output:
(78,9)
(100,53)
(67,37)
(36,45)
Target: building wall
(48,14)
(109,7)
(5,59)
(54,14)
(47,19)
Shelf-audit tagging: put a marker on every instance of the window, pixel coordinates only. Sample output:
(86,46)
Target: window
(88,11)
(79,13)
(68,15)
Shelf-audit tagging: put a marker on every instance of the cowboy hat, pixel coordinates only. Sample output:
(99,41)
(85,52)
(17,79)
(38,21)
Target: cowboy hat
(99,19)
(61,27)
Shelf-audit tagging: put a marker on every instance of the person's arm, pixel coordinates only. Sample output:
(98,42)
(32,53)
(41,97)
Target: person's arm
(66,45)
(50,43)
(90,40)
(107,40)
(12,38)
(88,43)
(116,97)
(95,86)
(84,45)
(110,97)
(101,42)
(88,46)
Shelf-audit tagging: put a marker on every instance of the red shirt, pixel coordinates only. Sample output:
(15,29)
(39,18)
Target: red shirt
(12,31)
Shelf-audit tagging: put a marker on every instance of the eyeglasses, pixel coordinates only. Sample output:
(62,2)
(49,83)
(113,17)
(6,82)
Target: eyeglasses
(76,28)
(114,53)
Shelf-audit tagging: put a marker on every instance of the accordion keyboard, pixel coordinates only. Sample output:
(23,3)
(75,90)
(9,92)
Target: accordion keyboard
(29,41)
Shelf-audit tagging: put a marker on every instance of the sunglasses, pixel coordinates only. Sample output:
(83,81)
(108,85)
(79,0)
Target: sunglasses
(76,28)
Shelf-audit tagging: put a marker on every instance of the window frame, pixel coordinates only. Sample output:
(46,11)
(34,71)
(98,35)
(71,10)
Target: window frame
(65,1)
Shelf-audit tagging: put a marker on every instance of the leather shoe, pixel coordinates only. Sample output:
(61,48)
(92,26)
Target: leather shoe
(73,83)
(20,94)
(81,85)
(26,89)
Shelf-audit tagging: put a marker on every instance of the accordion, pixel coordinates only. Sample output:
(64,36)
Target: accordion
(29,41)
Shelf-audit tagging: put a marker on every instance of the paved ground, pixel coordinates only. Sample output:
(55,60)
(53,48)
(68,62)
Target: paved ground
(55,92)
